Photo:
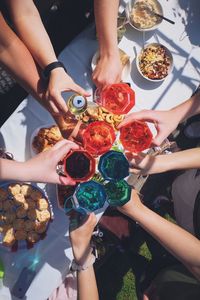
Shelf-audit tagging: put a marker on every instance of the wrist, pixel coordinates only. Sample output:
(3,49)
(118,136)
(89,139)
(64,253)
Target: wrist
(85,265)
(80,255)
(53,67)
(109,52)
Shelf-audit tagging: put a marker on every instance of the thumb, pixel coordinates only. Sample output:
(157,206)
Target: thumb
(159,138)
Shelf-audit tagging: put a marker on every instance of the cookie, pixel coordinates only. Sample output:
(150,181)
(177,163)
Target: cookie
(26,190)
(10,216)
(29,225)
(31,213)
(20,235)
(21,212)
(18,199)
(43,215)
(9,237)
(14,188)
(18,224)
(3,194)
(1,205)
(31,203)
(33,237)
(8,205)
(40,227)
(42,204)
(35,195)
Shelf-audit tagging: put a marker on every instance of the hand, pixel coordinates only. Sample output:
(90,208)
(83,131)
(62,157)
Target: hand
(107,71)
(143,164)
(42,167)
(133,206)
(165,122)
(80,237)
(59,82)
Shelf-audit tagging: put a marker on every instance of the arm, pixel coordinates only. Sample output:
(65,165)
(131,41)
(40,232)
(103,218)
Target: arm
(15,57)
(147,164)
(80,239)
(41,168)
(109,67)
(30,28)
(167,121)
(183,245)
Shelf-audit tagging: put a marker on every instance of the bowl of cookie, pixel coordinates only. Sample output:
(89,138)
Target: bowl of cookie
(25,215)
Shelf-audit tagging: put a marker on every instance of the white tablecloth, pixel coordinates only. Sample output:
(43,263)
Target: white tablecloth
(52,255)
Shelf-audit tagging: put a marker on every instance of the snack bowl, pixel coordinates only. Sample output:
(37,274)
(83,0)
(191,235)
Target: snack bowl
(25,216)
(154,62)
(138,12)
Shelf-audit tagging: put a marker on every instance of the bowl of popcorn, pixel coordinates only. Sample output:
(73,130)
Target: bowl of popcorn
(154,62)
(142,14)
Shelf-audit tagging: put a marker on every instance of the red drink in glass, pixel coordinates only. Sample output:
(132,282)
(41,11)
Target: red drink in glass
(98,137)
(136,136)
(117,98)
(79,165)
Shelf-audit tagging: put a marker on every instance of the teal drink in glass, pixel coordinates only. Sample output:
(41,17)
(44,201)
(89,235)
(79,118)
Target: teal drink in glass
(118,193)
(113,165)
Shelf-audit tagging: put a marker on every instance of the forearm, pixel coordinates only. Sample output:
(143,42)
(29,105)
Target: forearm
(87,287)
(13,170)
(29,27)
(184,246)
(16,58)
(187,109)
(187,159)
(106,13)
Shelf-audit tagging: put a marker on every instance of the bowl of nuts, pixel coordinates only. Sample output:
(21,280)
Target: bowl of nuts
(154,62)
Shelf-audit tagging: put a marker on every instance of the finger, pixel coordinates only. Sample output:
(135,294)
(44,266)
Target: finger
(66,180)
(53,108)
(79,90)
(64,149)
(143,115)
(134,156)
(159,138)
(135,171)
(62,143)
(59,101)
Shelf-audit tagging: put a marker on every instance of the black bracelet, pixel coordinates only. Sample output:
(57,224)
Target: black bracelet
(51,66)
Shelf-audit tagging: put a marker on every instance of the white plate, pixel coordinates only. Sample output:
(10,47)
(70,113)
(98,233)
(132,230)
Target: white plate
(125,72)
(34,133)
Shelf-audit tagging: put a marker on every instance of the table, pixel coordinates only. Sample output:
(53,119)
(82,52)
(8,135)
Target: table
(52,256)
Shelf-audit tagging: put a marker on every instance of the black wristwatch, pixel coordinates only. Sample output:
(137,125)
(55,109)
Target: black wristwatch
(47,70)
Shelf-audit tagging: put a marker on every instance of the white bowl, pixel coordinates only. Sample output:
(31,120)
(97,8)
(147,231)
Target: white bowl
(126,69)
(167,52)
(128,10)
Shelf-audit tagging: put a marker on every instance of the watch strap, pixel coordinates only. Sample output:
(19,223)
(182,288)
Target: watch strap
(77,267)
(56,64)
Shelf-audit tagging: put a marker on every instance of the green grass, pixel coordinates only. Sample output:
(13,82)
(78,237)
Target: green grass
(128,291)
